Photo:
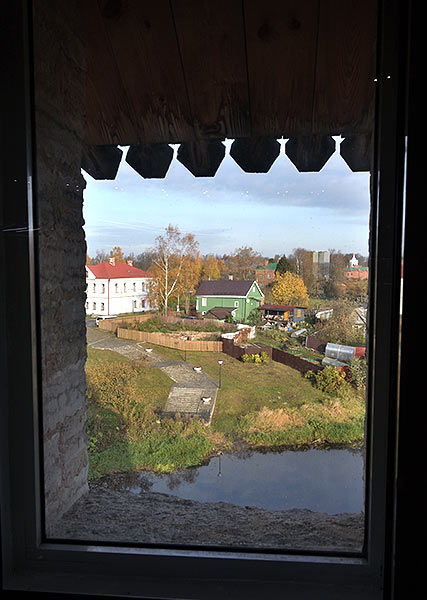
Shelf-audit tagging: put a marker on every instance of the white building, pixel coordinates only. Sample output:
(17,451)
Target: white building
(113,288)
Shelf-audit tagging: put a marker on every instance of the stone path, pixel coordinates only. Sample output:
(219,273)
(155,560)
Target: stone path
(194,392)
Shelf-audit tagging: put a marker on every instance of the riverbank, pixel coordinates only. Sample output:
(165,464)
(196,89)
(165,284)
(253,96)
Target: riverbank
(153,518)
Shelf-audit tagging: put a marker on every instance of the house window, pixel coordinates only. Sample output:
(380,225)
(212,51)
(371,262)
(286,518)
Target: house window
(236,303)
(124,287)
(142,287)
(204,301)
(135,304)
(116,288)
(102,306)
(94,306)
(94,288)
(134,287)
(102,288)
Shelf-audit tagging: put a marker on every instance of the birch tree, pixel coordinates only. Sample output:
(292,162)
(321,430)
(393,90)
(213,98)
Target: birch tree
(169,256)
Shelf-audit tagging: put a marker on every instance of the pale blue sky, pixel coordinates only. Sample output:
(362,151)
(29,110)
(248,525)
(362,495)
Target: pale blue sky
(273,212)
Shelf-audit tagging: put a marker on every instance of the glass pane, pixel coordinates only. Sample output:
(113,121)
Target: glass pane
(204,292)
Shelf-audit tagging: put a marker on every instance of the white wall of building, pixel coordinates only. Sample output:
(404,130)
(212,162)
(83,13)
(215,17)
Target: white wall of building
(116,296)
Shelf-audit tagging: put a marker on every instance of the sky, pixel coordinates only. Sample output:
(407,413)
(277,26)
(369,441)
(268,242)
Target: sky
(273,213)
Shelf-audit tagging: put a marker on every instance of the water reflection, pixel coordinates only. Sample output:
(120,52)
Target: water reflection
(320,480)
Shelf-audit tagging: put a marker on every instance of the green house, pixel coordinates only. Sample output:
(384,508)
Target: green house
(221,298)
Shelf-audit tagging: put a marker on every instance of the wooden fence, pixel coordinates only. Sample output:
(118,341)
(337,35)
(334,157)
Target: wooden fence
(162,339)
(113,324)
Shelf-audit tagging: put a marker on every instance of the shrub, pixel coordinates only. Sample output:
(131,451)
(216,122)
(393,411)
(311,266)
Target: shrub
(358,372)
(258,359)
(327,380)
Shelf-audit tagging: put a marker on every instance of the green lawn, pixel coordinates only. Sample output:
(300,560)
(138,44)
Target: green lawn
(266,405)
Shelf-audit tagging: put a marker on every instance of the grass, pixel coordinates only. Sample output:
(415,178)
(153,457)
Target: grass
(266,405)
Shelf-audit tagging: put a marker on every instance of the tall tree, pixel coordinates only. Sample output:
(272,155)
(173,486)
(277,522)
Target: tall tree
(117,253)
(211,268)
(301,261)
(283,265)
(335,286)
(289,288)
(169,256)
(243,262)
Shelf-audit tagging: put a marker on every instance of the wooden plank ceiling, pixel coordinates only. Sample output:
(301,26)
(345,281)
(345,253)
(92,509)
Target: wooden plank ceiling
(194,72)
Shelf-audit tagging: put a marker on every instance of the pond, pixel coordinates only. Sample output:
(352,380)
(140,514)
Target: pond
(330,481)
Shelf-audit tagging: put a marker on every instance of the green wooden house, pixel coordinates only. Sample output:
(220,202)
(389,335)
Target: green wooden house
(221,298)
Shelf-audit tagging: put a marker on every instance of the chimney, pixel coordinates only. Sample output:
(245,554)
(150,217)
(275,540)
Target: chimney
(112,261)
(130,262)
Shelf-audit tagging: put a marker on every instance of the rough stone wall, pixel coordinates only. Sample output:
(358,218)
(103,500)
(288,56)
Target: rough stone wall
(59,100)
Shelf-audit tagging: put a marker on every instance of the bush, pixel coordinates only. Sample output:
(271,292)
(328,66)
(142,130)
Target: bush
(258,359)
(328,380)
(358,372)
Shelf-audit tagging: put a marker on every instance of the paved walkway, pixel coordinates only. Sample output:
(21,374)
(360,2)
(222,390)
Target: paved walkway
(194,392)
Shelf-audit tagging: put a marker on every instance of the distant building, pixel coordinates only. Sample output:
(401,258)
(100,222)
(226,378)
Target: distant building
(266,274)
(354,271)
(321,264)
(225,297)
(114,288)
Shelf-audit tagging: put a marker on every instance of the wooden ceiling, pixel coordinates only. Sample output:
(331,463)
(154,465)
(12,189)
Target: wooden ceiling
(194,72)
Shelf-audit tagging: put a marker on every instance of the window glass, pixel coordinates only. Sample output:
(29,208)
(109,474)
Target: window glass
(241,425)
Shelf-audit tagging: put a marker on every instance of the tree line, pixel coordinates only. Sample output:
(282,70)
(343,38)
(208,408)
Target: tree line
(177,268)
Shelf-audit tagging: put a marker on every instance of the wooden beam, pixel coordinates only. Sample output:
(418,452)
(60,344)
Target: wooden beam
(142,40)
(201,158)
(281,48)
(151,161)
(101,162)
(310,153)
(255,155)
(109,118)
(212,48)
(345,67)
(357,152)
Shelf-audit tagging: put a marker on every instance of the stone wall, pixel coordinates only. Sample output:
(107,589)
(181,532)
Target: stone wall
(59,105)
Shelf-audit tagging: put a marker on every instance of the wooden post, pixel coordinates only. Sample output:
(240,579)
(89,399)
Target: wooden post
(310,153)
(202,158)
(255,155)
(150,160)
(101,162)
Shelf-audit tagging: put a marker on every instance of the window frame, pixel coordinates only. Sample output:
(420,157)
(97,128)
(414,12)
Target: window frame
(30,563)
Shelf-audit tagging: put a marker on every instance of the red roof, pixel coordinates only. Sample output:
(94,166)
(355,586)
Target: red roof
(118,271)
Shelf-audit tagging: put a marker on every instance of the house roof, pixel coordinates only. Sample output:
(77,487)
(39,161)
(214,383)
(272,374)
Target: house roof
(268,267)
(220,312)
(225,287)
(280,307)
(119,270)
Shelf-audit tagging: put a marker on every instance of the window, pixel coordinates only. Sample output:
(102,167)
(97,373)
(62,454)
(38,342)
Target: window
(116,288)
(304,572)
(94,305)
(94,287)
(134,287)
(102,288)
(124,287)
(204,301)
(236,303)
(102,306)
